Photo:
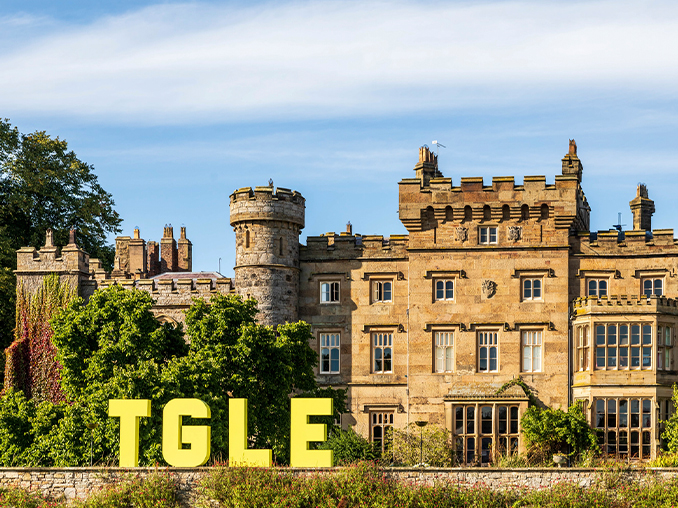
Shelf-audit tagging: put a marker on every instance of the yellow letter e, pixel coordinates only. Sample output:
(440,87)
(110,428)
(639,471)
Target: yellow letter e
(304,432)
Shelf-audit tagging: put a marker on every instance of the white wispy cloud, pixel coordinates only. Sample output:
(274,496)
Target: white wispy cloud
(201,62)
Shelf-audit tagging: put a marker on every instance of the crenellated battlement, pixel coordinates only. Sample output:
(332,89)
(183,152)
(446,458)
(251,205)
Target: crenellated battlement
(427,202)
(267,204)
(613,242)
(193,287)
(171,297)
(504,200)
(347,246)
(623,303)
(49,258)
(70,262)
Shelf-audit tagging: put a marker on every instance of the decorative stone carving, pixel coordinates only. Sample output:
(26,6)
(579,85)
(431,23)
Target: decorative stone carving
(461,234)
(515,233)
(489,288)
(122,255)
(573,147)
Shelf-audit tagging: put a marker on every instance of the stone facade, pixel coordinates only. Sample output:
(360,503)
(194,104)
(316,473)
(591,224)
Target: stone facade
(492,283)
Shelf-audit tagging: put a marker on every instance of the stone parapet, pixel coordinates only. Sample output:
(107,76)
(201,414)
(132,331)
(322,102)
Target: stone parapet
(560,206)
(265,203)
(342,246)
(613,242)
(176,286)
(628,305)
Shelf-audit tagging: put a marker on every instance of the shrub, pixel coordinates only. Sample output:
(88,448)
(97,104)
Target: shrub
(158,490)
(670,434)
(349,447)
(19,498)
(432,442)
(548,431)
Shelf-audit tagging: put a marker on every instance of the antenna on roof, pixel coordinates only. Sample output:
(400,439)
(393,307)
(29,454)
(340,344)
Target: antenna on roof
(619,224)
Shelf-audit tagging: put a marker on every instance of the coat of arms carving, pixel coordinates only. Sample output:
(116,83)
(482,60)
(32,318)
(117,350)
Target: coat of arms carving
(489,288)
(461,234)
(515,233)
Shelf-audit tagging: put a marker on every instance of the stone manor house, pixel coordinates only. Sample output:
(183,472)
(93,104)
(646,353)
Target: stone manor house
(492,283)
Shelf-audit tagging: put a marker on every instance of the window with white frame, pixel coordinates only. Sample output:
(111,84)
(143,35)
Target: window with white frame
(380,422)
(624,427)
(444,289)
(382,352)
(583,348)
(664,347)
(488,352)
(444,352)
(532,350)
(623,346)
(596,287)
(652,286)
(329,292)
(532,288)
(382,291)
(329,353)
(487,234)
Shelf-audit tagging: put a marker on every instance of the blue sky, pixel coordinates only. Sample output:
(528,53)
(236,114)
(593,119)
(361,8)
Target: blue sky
(178,104)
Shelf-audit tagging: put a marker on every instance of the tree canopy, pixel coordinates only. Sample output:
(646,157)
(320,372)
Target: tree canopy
(43,185)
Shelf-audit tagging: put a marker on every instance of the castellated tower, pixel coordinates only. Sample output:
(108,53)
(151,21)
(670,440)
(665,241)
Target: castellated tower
(267,225)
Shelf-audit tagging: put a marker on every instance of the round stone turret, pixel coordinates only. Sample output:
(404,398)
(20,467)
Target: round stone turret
(267,224)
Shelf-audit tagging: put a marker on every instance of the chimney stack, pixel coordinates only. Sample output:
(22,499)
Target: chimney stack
(642,208)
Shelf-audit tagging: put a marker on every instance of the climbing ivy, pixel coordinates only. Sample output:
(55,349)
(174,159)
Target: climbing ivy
(31,365)
(518,381)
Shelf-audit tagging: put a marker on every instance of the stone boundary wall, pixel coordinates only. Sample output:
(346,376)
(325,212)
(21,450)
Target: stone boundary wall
(81,481)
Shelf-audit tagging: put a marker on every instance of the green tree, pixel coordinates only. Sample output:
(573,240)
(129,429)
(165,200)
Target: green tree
(548,431)
(231,356)
(113,347)
(44,185)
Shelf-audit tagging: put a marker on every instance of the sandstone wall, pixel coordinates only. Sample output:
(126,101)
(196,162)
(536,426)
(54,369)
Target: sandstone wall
(80,482)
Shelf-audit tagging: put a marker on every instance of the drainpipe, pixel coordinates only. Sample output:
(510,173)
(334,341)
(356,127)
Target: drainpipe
(407,393)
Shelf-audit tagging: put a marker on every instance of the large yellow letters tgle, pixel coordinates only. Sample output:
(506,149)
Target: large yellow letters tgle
(175,434)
